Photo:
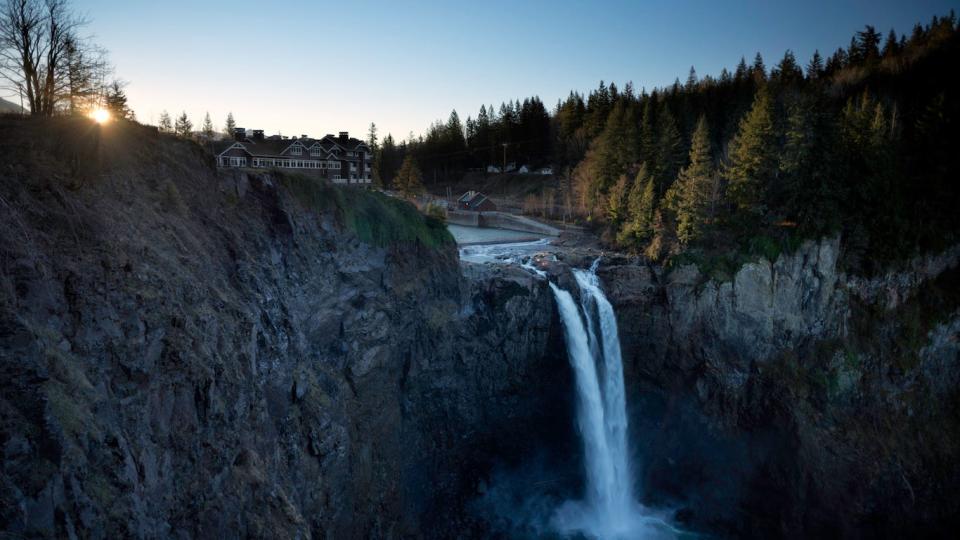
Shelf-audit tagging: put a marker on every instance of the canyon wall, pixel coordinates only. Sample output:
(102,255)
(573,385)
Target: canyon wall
(192,354)
(792,399)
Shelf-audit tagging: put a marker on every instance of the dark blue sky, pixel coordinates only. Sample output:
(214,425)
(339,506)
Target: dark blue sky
(319,67)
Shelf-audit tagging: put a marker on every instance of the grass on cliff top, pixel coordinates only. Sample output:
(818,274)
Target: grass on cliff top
(375,218)
(721,262)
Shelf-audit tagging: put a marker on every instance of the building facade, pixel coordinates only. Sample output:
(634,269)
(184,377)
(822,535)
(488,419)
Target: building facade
(474,201)
(340,159)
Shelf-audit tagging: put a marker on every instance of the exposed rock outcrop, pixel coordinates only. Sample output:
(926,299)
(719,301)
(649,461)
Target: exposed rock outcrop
(192,354)
(198,355)
(794,400)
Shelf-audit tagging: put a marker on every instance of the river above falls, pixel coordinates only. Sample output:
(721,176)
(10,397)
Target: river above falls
(481,235)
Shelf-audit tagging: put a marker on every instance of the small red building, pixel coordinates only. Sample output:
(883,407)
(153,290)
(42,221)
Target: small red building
(474,201)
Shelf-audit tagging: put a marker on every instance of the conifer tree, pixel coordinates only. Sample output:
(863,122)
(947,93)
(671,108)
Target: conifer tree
(165,125)
(753,157)
(207,128)
(691,80)
(742,70)
(648,140)
(759,69)
(868,44)
(669,150)
(183,127)
(815,67)
(617,202)
(892,46)
(641,204)
(787,72)
(611,154)
(230,126)
(374,144)
(807,194)
(409,179)
(836,62)
(117,100)
(698,188)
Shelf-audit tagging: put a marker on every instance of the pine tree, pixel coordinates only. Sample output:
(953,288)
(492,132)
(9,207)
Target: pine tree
(787,72)
(868,44)
(611,154)
(836,62)
(753,157)
(648,139)
(374,144)
(669,151)
(230,127)
(691,80)
(815,67)
(807,195)
(183,127)
(409,179)
(854,52)
(165,125)
(117,101)
(389,161)
(641,204)
(207,128)
(892,46)
(759,69)
(697,187)
(742,70)
(617,202)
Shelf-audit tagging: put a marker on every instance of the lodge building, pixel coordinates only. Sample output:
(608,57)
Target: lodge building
(341,159)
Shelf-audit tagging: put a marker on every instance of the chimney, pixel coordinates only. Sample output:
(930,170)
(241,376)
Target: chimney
(304,136)
(258,135)
(239,134)
(344,136)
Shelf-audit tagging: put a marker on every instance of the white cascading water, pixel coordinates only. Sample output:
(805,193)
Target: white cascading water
(609,510)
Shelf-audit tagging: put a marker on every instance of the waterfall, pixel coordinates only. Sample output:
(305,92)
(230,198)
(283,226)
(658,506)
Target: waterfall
(608,510)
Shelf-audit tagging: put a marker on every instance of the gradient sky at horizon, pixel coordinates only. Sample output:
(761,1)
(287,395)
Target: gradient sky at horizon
(321,67)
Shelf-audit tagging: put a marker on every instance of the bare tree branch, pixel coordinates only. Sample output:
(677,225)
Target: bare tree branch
(43,58)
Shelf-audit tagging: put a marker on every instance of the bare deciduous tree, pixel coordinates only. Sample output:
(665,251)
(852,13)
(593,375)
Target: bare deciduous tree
(43,57)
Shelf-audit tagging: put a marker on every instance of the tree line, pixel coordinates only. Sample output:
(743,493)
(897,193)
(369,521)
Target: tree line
(854,144)
(857,142)
(518,133)
(182,126)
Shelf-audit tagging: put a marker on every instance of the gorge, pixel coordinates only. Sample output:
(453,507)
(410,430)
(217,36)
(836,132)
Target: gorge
(200,354)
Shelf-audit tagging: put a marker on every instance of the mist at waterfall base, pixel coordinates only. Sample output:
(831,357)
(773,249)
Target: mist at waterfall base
(526,501)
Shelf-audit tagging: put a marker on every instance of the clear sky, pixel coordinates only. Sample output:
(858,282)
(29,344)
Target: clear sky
(319,67)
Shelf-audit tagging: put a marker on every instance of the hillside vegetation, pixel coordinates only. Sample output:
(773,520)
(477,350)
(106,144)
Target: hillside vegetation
(67,154)
(856,143)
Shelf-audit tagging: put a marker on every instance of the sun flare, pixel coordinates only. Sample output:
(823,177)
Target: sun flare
(100,116)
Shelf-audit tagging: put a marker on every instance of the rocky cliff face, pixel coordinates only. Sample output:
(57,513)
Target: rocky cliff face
(794,400)
(198,355)
(190,354)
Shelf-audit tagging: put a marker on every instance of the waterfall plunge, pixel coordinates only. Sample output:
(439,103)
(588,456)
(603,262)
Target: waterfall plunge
(608,510)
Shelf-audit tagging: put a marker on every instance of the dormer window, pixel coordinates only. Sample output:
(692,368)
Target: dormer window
(315,151)
(296,150)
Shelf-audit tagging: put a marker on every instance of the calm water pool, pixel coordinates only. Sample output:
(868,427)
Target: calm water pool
(475,235)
